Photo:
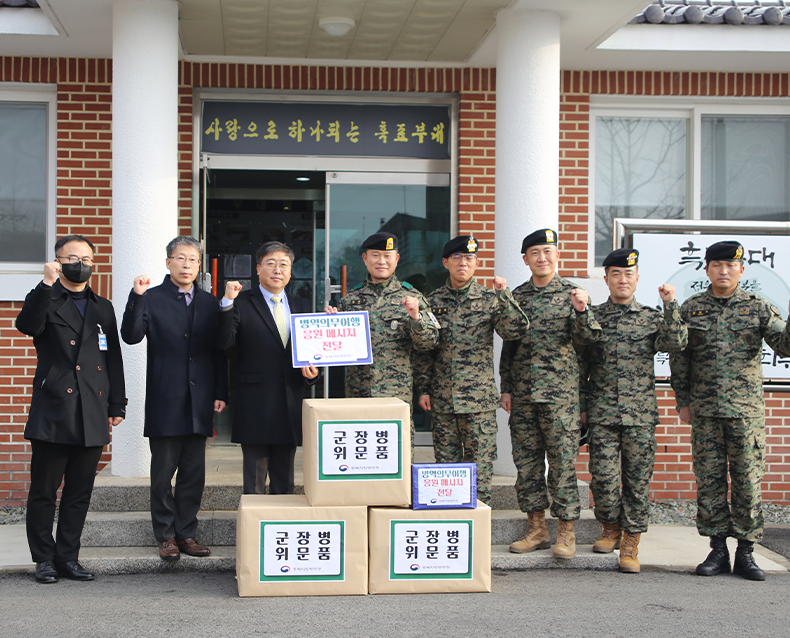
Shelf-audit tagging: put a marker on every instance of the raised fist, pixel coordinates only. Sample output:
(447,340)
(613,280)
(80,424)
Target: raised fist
(141,284)
(232,290)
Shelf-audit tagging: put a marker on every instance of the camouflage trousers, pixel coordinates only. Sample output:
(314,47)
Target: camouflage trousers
(550,431)
(467,438)
(622,454)
(714,442)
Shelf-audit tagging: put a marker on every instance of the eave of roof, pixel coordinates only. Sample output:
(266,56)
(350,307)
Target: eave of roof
(731,12)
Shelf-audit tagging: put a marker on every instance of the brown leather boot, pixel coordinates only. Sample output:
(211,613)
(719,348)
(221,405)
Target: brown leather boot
(610,538)
(628,552)
(537,537)
(566,540)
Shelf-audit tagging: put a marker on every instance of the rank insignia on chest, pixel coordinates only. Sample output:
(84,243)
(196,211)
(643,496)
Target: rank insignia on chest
(745,311)
(440,311)
(700,313)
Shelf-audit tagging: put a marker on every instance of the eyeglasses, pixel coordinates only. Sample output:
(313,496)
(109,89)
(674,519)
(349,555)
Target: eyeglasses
(74,259)
(458,257)
(183,261)
(271,265)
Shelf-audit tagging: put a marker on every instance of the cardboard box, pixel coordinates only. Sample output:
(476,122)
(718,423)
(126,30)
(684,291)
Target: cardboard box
(437,486)
(284,547)
(423,551)
(356,451)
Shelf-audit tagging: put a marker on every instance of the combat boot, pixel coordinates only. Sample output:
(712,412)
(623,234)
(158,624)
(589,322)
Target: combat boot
(718,561)
(566,540)
(537,537)
(744,564)
(628,553)
(610,538)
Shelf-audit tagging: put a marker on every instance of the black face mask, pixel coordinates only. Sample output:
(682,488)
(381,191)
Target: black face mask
(77,273)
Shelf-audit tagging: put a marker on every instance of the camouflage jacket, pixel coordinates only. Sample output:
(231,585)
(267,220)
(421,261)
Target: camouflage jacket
(618,377)
(720,373)
(542,366)
(459,373)
(393,335)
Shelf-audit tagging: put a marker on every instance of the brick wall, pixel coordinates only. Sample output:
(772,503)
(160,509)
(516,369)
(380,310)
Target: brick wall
(84,206)
(84,202)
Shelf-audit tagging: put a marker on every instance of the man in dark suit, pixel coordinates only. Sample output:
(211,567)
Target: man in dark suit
(186,382)
(78,394)
(267,415)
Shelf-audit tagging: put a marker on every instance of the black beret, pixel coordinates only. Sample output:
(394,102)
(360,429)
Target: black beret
(622,258)
(539,238)
(461,244)
(380,241)
(724,251)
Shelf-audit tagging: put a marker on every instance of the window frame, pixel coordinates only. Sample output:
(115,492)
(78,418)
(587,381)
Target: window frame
(693,110)
(18,278)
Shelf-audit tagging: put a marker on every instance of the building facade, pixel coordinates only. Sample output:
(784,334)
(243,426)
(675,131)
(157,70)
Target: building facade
(121,157)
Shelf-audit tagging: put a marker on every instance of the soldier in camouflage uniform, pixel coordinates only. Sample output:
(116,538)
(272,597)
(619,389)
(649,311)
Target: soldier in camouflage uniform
(400,323)
(618,403)
(540,390)
(456,380)
(718,383)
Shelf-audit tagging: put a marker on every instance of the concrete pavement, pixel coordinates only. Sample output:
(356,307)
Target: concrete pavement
(551,603)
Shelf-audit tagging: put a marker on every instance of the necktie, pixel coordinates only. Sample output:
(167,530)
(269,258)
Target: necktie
(279,319)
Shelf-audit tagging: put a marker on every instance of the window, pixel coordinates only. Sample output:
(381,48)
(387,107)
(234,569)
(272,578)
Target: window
(640,171)
(27,186)
(703,161)
(23,182)
(746,168)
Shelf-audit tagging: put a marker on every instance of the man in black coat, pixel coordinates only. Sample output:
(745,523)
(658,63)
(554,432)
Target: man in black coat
(267,415)
(186,382)
(78,394)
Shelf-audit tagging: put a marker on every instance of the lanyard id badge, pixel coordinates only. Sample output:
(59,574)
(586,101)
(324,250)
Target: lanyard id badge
(102,339)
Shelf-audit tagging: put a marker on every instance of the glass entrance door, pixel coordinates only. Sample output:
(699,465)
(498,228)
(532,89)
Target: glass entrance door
(413,206)
(324,217)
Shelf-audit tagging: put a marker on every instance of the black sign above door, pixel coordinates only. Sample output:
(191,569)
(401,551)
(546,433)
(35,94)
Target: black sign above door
(330,129)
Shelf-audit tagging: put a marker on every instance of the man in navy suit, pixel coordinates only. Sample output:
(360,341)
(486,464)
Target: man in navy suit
(186,382)
(267,415)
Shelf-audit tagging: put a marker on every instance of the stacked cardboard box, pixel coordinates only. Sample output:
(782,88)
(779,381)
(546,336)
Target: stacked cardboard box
(353,531)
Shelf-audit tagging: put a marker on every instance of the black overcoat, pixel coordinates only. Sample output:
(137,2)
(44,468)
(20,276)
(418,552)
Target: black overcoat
(269,391)
(186,370)
(77,386)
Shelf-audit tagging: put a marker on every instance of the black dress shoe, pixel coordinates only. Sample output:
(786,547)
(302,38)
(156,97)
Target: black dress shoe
(73,570)
(46,573)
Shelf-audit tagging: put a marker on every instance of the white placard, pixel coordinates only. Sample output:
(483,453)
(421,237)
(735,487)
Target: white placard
(360,449)
(444,486)
(336,339)
(299,549)
(679,260)
(425,549)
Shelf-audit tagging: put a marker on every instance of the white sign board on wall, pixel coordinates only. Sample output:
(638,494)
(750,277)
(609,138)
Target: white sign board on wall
(679,260)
